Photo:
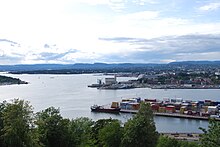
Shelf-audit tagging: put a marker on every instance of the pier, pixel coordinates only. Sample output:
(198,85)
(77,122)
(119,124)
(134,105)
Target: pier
(177,115)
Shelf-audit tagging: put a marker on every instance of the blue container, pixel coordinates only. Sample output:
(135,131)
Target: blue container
(201,102)
(139,100)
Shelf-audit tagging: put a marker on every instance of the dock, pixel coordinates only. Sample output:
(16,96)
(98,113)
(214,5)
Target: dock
(176,115)
(192,137)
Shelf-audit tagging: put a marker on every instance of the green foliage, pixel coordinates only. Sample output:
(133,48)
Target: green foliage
(17,124)
(140,131)
(215,79)
(161,79)
(19,127)
(165,141)
(188,144)
(211,137)
(110,135)
(2,107)
(97,127)
(80,131)
(52,128)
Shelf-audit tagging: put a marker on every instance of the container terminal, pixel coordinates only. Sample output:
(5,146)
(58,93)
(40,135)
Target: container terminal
(175,107)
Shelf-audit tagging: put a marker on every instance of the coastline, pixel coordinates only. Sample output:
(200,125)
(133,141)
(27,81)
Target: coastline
(176,115)
(8,84)
(194,137)
(7,80)
(138,85)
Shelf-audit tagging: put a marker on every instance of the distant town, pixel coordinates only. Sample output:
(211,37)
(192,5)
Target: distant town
(164,80)
(177,76)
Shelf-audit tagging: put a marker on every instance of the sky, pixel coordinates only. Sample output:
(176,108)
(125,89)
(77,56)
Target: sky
(109,31)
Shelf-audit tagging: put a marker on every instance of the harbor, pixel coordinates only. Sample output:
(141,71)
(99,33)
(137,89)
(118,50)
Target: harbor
(175,107)
(75,100)
(184,136)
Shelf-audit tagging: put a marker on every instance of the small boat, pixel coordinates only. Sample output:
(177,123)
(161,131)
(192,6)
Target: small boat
(96,108)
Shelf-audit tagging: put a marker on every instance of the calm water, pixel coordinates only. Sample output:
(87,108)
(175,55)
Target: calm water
(71,94)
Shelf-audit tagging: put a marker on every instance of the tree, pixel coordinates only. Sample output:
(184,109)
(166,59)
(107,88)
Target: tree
(52,129)
(110,135)
(188,144)
(96,131)
(211,137)
(80,131)
(2,107)
(167,142)
(141,131)
(17,124)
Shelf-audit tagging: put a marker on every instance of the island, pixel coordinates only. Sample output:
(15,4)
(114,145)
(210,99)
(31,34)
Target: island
(4,80)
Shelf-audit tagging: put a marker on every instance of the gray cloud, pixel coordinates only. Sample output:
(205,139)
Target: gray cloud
(9,41)
(46,46)
(137,57)
(175,44)
(11,59)
(169,47)
(55,56)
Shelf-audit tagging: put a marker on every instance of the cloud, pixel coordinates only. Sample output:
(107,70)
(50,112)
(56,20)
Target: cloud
(95,2)
(143,15)
(211,56)
(54,56)
(107,30)
(46,46)
(210,7)
(144,2)
(117,5)
(6,40)
(11,59)
(169,48)
(135,50)
(23,54)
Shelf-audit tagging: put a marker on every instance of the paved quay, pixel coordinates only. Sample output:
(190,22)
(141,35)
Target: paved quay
(193,137)
(177,115)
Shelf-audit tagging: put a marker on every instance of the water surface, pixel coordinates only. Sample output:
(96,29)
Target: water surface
(71,94)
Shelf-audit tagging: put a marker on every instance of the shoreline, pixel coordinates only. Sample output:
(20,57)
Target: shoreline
(133,86)
(192,137)
(176,115)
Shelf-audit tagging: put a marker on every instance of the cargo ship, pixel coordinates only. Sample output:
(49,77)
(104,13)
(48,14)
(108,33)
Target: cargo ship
(106,109)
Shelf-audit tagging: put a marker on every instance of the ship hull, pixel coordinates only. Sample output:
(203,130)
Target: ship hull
(106,110)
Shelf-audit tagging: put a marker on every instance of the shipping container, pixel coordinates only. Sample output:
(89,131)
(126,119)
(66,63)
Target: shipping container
(182,109)
(150,100)
(154,107)
(135,106)
(170,109)
(115,105)
(162,109)
(212,110)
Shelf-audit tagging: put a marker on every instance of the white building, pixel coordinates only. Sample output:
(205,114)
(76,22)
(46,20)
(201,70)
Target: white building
(109,81)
